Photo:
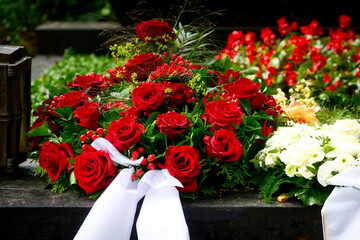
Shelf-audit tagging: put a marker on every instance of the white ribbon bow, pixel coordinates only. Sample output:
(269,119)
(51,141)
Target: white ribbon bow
(341,210)
(112,216)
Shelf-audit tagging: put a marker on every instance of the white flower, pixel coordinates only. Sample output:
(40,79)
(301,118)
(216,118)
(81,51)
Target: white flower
(305,172)
(324,172)
(343,161)
(270,159)
(346,127)
(290,170)
(317,157)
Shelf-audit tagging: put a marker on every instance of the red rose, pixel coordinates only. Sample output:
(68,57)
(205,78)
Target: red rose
(166,71)
(152,29)
(182,162)
(148,96)
(179,94)
(94,81)
(222,114)
(53,158)
(245,88)
(224,146)
(141,66)
(36,140)
(89,115)
(72,99)
(124,133)
(93,170)
(172,124)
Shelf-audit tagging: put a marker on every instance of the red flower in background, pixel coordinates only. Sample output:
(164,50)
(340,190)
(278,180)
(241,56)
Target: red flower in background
(172,124)
(183,163)
(152,29)
(224,146)
(89,115)
(94,170)
(124,133)
(344,21)
(312,29)
(284,28)
(267,35)
(54,158)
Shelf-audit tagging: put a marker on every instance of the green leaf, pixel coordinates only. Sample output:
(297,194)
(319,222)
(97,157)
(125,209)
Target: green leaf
(245,104)
(73,180)
(65,113)
(274,151)
(42,130)
(152,118)
(312,170)
(71,160)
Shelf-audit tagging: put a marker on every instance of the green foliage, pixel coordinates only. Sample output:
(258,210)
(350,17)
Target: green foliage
(53,82)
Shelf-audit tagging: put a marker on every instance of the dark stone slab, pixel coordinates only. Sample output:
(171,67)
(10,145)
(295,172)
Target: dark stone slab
(83,37)
(30,211)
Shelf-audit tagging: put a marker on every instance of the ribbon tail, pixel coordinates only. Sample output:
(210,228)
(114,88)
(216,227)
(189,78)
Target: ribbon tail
(112,215)
(161,216)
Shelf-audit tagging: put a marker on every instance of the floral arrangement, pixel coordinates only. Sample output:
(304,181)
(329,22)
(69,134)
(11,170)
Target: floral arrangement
(203,123)
(330,64)
(298,160)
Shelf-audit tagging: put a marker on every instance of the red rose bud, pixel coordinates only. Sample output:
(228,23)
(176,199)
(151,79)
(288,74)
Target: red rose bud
(151,166)
(100,131)
(135,154)
(141,149)
(89,133)
(83,138)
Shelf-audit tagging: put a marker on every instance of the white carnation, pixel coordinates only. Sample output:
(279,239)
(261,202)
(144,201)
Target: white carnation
(324,172)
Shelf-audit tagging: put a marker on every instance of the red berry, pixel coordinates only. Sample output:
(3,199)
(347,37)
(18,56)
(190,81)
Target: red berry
(151,157)
(55,98)
(94,137)
(53,103)
(166,54)
(84,147)
(139,172)
(174,56)
(144,162)
(191,92)
(181,59)
(278,107)
(133,176)
(100,131)
(133,159)
(47,106)
(191,65)
(89,133)
(172,63)
(186,62)
(141,149)
(135,154)
(151,166)
(83,138)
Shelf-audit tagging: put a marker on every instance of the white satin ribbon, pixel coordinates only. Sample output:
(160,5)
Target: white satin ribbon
(112,216)
(341,211)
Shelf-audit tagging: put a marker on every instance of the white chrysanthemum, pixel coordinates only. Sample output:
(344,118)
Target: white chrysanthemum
(324,172)
(343,161)
(270,159)
(305,172)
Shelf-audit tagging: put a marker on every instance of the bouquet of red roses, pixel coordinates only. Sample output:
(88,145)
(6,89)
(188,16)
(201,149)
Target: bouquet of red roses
(203,123)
